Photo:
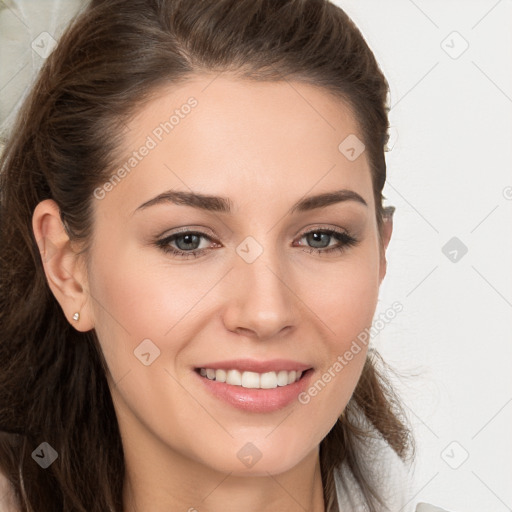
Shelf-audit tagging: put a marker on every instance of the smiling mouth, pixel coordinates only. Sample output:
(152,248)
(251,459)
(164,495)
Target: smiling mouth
(252,380)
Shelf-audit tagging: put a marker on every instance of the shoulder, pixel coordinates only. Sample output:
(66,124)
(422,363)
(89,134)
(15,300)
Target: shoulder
(392,479)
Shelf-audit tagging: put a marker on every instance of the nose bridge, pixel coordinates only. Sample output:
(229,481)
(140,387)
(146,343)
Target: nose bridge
(261,298)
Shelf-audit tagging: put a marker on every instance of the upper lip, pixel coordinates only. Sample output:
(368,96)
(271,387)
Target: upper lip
(252,365)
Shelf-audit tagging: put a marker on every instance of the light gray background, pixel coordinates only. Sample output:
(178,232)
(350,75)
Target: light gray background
(449,175)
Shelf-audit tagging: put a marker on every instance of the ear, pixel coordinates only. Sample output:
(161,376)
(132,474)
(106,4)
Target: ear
(387,229)
(63,267)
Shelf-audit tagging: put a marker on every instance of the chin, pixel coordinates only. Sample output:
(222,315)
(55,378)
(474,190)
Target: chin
(254,459)
(273,466)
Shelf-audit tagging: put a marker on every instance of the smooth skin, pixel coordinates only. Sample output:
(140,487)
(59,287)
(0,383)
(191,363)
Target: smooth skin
(264,146)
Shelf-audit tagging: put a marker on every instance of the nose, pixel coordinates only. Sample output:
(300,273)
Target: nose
(261,300)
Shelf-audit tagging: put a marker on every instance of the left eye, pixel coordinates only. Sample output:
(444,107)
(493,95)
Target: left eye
(317,236)
(320,236)
(187,243)
(190,240)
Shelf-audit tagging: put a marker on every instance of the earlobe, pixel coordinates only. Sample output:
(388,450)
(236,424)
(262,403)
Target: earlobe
(64,274)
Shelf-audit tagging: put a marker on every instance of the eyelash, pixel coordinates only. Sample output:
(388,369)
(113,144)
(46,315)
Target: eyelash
(343,237)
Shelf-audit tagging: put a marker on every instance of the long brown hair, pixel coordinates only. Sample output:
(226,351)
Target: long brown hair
(53,385)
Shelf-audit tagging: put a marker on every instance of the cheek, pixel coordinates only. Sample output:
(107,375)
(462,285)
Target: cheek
(345,302)
(140,294)
(135,299)
(344,296)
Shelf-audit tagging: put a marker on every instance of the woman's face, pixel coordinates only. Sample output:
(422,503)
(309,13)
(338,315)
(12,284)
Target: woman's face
(257,286)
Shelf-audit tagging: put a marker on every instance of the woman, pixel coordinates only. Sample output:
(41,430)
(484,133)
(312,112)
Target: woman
(193,240)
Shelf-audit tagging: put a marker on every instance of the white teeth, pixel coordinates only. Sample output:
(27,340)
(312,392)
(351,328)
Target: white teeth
(282,378)
(234,377)
(220,375)
(268,380)
(250,380)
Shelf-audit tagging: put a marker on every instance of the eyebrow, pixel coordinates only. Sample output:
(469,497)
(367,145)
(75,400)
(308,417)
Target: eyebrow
(224,205)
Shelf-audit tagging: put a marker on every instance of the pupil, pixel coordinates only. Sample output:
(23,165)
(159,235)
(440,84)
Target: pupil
(189,239)
(317,237)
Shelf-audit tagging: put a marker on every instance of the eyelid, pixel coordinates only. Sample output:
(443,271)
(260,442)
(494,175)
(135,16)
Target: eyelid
(188,229)
(323,227)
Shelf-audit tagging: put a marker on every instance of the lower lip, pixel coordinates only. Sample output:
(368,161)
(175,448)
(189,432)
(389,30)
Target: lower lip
(254,399)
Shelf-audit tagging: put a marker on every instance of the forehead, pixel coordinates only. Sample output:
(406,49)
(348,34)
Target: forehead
(220,135)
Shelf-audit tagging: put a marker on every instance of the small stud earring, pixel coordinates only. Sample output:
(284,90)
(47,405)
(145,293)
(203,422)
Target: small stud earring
(76,316)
